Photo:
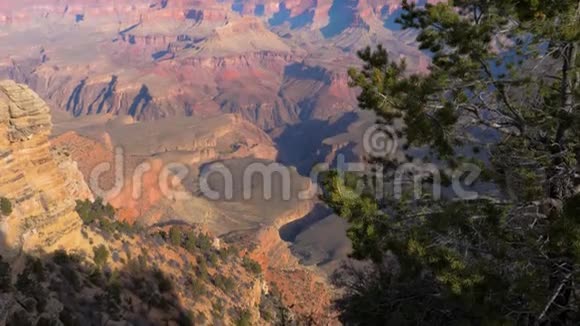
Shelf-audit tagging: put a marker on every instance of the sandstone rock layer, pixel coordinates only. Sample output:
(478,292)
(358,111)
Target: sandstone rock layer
(29,176)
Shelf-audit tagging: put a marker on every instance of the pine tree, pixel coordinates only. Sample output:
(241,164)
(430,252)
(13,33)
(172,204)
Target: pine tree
(501,94)
(175,236)
(101,255)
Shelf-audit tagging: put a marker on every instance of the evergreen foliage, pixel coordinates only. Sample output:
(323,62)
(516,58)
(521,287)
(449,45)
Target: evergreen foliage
(175,236)
(505,68)
(251,266)
(5,206)
(103,215)
(101,254)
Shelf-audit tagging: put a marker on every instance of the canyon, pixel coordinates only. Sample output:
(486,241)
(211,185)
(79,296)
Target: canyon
(43,227)
(180,58)
(147,96)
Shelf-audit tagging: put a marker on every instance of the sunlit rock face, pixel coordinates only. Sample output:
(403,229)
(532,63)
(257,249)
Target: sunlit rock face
(31,178)
(166,58)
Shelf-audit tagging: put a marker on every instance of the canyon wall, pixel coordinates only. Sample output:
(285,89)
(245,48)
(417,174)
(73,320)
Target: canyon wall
(43,207)
(273,62)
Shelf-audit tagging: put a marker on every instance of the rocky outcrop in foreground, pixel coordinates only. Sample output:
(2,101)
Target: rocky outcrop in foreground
(30,178)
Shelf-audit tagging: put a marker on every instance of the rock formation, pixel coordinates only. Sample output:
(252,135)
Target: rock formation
(155,279)
(43,206)
(194,58)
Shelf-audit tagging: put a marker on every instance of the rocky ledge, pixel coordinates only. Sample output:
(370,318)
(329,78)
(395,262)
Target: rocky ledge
(43,208)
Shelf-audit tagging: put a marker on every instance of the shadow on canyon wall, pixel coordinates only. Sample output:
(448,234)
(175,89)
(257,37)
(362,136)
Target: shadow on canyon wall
(290,231)
(302,145)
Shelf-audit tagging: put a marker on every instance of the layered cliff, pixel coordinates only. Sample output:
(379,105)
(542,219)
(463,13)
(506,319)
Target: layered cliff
(43,208)
(213,10)
(195,58)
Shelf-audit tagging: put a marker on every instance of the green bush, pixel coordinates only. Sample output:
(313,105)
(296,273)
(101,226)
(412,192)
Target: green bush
(101,254)
(5,206)
(104,215)
(245,318)
(204,242)
(226,284)
(91,211)
(175,236)
(201,270)
(191,242)
(198,288)
(251,265)
(225,253)
(213,259)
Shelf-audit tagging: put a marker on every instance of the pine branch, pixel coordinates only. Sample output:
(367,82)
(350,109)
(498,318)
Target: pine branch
(553,298)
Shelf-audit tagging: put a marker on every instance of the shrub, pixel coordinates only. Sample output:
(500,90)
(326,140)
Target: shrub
(125,227)
(217,309)
(5,206)
(83,208)
(175,236)
(91,211)
(225,253)
(96,211)
(213,259)
(245,318)
(226,284)
(191,242)
(252,266)
(101,254)
(204,242)
(201,270)
(198,288)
